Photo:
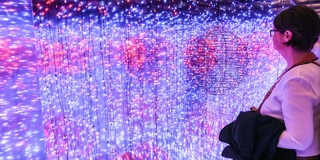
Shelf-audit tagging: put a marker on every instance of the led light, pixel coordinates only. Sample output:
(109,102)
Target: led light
(130,79)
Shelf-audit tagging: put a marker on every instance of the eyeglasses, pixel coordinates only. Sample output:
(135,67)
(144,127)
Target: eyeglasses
(272,31)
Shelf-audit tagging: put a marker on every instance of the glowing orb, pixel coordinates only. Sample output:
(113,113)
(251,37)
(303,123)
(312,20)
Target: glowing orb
(217,61)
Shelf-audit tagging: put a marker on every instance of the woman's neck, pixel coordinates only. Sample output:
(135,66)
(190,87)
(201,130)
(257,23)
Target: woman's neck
(294,57)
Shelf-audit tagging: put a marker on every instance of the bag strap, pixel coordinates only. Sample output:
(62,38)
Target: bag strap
(278,79)
(316,63)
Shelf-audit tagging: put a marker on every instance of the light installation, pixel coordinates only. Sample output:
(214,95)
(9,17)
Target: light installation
(147,79)
(21,130)
(217,60)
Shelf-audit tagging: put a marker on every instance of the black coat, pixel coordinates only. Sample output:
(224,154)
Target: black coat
(254,137)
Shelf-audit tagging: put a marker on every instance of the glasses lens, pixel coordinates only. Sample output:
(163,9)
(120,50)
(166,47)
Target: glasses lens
(271,33)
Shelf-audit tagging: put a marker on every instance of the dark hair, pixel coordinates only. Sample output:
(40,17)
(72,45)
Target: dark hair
(303,22)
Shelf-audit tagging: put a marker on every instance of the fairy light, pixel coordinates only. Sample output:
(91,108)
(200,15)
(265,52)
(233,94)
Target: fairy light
(129,79)
(21,128)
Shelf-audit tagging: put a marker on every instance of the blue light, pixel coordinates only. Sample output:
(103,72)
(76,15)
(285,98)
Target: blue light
(129,78)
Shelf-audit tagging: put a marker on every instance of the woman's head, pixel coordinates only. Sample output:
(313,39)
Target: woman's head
(304,24)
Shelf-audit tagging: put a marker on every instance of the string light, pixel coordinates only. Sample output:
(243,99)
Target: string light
(21,128)
(130,79)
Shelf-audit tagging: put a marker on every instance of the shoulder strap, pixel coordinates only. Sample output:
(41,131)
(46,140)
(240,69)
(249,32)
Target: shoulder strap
(315,63)
(304,62)
(274,85)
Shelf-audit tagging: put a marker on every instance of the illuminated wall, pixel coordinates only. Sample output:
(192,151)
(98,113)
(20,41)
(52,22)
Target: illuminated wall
(135,79)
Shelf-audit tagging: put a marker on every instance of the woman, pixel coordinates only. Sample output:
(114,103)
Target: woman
(295,97)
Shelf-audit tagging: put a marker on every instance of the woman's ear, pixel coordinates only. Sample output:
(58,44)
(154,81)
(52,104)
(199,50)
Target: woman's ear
(287,36)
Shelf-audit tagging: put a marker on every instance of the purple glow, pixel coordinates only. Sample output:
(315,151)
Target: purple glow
(129,79)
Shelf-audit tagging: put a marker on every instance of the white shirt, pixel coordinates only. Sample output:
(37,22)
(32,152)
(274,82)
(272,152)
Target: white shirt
(296,101)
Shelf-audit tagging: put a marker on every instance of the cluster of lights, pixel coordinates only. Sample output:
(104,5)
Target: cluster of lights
(21,128)
(209,57)
(131,79)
